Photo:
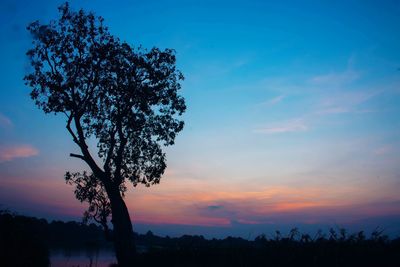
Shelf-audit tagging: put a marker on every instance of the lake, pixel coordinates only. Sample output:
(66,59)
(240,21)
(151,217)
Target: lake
(82,258)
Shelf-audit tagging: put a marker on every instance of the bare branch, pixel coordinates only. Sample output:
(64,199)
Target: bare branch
(118,159)
(77,156)
(110,151)
(86,154)
(70,117)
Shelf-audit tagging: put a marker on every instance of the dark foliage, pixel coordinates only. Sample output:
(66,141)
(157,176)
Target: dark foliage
(21,242)
(125,97)
(352,250)
(337,248)
(56,234)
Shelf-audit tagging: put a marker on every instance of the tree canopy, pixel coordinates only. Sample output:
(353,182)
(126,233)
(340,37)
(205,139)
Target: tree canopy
(126,97)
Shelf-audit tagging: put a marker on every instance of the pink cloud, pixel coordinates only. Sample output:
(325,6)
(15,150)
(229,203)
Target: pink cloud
(198,202)
(19,151)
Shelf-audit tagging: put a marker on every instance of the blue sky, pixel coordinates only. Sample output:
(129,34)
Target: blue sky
(293,115)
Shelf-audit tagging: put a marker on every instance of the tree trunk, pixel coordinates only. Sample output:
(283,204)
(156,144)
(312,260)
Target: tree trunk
(123,233)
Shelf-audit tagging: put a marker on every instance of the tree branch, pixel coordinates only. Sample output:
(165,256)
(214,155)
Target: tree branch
(75,139)
(122,143)
(98,172)
(77,156)
(110,152)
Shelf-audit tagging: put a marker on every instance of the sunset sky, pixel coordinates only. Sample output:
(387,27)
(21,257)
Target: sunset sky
(293,116)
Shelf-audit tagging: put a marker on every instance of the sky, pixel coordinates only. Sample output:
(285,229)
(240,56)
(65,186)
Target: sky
(293,117)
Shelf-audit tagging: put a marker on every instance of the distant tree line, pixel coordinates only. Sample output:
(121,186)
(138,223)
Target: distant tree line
(20,242)
(25,241)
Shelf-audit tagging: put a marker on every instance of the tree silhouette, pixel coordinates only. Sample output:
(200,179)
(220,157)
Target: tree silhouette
(123,97)
(89,189)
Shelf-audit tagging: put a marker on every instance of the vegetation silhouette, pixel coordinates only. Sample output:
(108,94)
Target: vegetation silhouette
(124,97)
(25,241)
(20,244)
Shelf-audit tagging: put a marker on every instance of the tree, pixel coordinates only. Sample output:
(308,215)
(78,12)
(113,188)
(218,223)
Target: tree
(123,97)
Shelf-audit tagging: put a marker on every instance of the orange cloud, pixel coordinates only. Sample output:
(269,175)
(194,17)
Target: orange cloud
(180,199)
(20,151)
(199,203)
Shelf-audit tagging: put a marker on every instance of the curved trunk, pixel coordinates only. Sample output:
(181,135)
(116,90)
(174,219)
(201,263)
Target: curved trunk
(123,233)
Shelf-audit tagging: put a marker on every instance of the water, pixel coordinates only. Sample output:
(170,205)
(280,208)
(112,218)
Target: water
(82,258)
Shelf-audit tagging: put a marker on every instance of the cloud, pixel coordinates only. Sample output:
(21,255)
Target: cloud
(295,206)
(335,78)
(347,102)
(5,122)
(208,205)
(350,99)
(333,110)
(214,207)
(297,125)
(338,78)
(20,151)
(273,101)
(382,150)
